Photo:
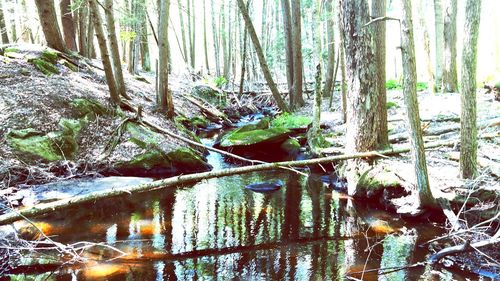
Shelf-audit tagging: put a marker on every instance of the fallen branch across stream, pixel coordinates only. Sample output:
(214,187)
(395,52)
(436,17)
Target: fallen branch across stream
(46,208)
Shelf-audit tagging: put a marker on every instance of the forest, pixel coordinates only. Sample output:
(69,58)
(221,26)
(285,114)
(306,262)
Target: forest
(249,139)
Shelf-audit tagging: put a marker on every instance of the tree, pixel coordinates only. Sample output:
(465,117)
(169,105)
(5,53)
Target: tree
(287,24)
(260,55)
(113,44)
(378,10)
(449,79)
(362,100)
(48,20)
(427,44)
(68,25)
(163,95)
(410,96)
(468,129)
(83,16)
(106,60)
(439,41)
(330,68)
(296,98)
(3,28)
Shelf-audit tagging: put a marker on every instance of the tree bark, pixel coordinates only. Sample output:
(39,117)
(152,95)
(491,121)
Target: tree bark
(427,45)
(450,83)
(68,24)
(27,33)
(205,45)
(83,16)
(163,95)
(115,54)
(287,24)
(297,100)
(379,10)
(48,20)
(183,31)
(106,60)
(330,68)
(362,100)
(427,200)
(468,129)
(263,64)
(3,28)
(438,41)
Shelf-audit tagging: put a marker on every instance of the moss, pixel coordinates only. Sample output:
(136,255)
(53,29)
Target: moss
(142,136)
(421,86)
(186,159)
(69,65)
(46,67)
(272,135)
(24,71)
(210,95)
(373,182)
(497,85)
(89,108)
(147,161)
(193,123)
(49,55)
(53,146)
(142,79)
(13,52)
(291,121)
(392,84)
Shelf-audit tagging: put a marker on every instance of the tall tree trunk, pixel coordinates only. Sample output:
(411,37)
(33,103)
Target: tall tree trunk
(163,95)
(3,28)
(205,45)
(362,100)
(297,100)
(427,45)
(287,24)
(330,69)
(468,128)
(115,54)
(262,60)
(244,55)
(143,36)
(27,33)
(378,10)
(439,41)
(48,20)
(216,40)
(192,33)
(410,97)
(68,25)
(223,35)
(90,37)
(106,60)
(183,31)
(13,17)
(450,83)
(83,16)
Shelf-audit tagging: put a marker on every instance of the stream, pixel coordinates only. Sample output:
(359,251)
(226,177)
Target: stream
(217,229)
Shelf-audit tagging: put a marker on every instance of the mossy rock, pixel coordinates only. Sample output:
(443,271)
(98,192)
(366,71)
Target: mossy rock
(13,53)
(69,65)
(186,159)
(291,146)
(49,55)
(259,136)
(210,95)
(497,86)
(52,146)
(45,67)
(291,121)
(373,183)
(142,136)
(89,108)
(194,123)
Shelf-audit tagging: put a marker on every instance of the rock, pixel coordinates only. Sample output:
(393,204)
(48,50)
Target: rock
(46,67)
(265,186)
(259,136)
(211,95)
(291,146)
(58,145)
(89,108)
(154,158)
(298,123)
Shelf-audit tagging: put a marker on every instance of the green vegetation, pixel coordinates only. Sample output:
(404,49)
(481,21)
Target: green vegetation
(391,104)
(291,121)
(392,84)
(46,67)
(421,86)
(220,81)
(238,138)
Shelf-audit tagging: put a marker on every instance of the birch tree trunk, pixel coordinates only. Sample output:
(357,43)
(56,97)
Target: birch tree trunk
(379,10)
(260,55)
(68,24)
(362,100)
(106,60)
(216,40)
(48,20)
(468,128)
(163,95)
(410,96)
(450,83)
(438,41)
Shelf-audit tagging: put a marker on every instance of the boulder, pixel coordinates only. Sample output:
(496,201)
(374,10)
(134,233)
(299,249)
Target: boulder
(265,186)
(211,95)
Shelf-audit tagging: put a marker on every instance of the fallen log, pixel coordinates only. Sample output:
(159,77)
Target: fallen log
(209,110)
(444,129)
(482,162)
(466,247)
(46,208)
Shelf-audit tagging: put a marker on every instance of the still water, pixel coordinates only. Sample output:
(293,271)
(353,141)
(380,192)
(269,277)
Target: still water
(218,230)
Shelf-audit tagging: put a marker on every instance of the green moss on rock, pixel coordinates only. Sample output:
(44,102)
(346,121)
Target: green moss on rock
(239,138)
(291,121)
(291,146)
(45,67)
(89,108)
(210,95)
(49,55)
